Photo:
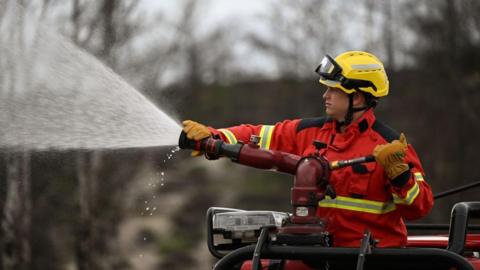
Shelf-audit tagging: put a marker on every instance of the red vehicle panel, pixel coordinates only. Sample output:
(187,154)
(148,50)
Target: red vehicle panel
(440,241)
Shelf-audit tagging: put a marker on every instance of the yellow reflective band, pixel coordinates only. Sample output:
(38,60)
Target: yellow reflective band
(266,136)
(359,205)
(230,137)
(411,195)
(418,176)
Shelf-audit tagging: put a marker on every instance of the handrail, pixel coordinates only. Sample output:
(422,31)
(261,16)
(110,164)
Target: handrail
(456,190)
(461,212)
(386,258)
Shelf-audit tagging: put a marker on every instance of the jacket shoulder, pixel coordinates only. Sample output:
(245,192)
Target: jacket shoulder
(317,122)
(388,133)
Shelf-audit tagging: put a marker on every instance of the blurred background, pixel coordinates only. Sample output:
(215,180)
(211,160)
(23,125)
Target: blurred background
(223,63)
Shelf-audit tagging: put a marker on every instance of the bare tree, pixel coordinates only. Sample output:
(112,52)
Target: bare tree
(17,213)
(301,33)
(16,222)
(203,56)
(369,29)
(388,35)
(87,165)
(107,29)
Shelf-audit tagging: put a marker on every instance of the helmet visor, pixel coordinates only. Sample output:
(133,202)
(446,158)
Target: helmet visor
(331,75)
(329,69)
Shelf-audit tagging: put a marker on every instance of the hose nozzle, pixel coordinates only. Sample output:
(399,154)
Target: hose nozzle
(185,143)
(213,147)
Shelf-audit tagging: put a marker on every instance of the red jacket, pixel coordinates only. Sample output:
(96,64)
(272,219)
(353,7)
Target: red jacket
(366,198)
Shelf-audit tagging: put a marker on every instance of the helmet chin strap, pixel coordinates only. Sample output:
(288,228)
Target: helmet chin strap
(351,111)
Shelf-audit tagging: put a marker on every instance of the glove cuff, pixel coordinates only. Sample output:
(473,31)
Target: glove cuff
(401,179)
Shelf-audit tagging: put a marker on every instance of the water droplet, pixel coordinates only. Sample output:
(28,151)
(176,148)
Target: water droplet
(162,173)
(147,208)
(144,238)
(154,208)
(162,184)
(146,202)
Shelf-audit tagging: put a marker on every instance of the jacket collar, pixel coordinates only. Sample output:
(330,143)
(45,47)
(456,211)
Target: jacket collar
(364,122)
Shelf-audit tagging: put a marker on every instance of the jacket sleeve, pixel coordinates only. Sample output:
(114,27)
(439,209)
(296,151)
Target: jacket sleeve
(411,193)
(280,136)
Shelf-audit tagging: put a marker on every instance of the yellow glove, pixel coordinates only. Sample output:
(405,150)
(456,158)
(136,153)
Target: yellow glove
(391,157)
(195,131)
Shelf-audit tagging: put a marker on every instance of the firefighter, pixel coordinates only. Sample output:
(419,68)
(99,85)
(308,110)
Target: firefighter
(377,196)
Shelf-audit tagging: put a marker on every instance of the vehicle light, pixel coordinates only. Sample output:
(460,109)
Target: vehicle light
(248,220)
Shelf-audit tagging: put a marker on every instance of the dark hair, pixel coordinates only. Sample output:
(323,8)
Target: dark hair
(370,100)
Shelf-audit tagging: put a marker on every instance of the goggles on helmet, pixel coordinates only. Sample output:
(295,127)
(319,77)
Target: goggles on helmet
(330,70)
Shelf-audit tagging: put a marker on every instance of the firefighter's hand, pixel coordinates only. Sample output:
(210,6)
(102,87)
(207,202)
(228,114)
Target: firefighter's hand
(195,131)
(391,156)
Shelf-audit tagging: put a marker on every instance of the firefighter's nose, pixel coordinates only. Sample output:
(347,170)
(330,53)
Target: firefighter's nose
(326,94)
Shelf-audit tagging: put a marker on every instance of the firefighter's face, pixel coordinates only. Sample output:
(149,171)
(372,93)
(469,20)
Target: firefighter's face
(336,103)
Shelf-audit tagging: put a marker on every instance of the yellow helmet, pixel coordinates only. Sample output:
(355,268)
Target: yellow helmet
(354,71)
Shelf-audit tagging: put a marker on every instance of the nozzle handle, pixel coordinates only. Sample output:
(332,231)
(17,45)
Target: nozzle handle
(337,164)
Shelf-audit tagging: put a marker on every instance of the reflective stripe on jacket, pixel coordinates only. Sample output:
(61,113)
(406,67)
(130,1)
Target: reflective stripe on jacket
(365,196)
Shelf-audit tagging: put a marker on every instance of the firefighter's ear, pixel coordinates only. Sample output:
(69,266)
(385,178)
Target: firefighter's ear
(358,99)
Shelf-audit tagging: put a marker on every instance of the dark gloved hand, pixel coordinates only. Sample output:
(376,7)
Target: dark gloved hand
(391,156)
(195,131)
